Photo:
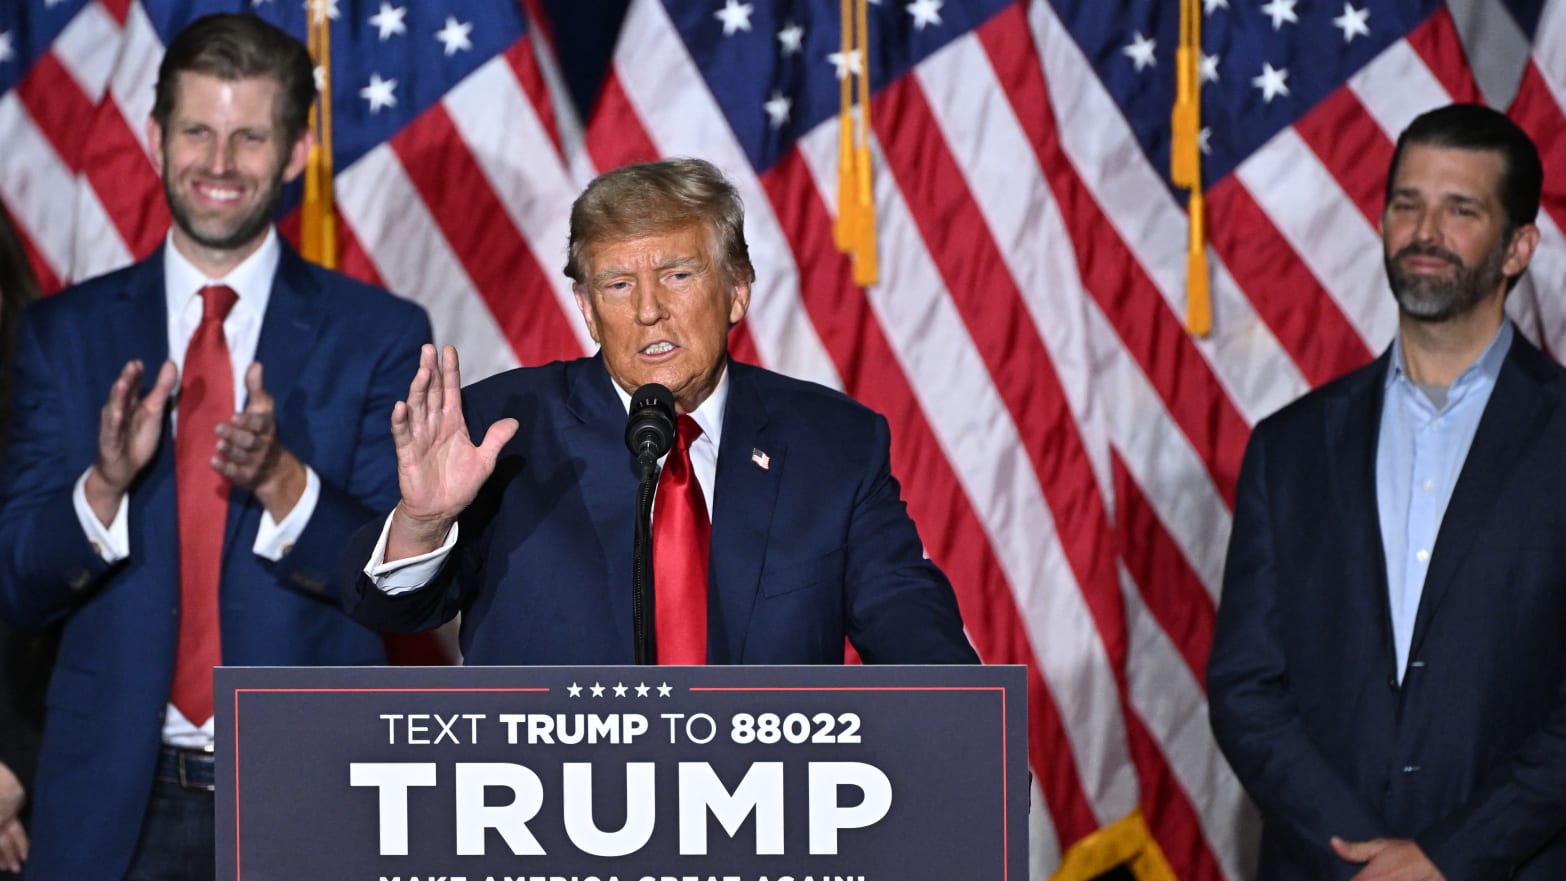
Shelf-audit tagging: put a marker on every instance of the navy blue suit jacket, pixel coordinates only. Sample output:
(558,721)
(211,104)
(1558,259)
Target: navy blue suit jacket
(337,356)
(1468,755)
(812,547)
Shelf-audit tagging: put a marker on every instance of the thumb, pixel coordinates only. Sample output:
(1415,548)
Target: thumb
(498,436)
(253,381)
(1357,851)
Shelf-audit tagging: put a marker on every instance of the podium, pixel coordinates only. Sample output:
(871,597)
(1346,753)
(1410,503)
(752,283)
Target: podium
(630,773)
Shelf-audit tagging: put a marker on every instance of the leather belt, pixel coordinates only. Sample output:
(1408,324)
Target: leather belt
(188,768)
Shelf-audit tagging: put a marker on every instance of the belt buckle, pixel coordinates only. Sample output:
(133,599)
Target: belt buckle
(184,780)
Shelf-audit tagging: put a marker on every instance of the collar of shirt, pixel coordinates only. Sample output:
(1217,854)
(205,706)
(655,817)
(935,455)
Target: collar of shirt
(251,280)
(1480,374)
(709,414)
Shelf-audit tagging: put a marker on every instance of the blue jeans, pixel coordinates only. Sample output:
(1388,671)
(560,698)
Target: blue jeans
(176,837)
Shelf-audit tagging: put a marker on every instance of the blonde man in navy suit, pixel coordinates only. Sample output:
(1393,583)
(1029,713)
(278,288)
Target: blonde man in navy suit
(528,532)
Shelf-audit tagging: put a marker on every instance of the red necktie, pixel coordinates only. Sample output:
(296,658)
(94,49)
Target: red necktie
(206,398)
(681,536)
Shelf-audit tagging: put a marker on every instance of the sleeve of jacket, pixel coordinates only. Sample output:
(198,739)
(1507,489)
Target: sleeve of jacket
(901,607)
(369,489)
(446,594)
(1517,809)
(1303,799)
(47,565)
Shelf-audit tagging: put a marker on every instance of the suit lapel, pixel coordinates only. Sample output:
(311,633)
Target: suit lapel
(743,502)
(607,477)
(1513,419)
(1353,425)
(139,315)
(288,335)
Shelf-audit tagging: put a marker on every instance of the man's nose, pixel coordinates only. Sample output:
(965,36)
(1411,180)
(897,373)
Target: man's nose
(220,157)
(1427,228)
(649,305)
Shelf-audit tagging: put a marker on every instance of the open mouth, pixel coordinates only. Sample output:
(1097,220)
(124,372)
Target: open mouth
(662,347)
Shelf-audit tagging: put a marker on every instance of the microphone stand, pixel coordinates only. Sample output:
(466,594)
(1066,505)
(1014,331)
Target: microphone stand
(642,587)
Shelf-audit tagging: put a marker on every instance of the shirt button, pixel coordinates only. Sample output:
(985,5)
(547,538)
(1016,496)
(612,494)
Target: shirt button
(1428,486)
(1422,555)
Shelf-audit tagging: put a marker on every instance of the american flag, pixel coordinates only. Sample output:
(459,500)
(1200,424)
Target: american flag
(1067,448)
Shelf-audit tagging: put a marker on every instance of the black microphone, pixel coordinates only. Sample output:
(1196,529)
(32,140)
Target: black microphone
(650,431)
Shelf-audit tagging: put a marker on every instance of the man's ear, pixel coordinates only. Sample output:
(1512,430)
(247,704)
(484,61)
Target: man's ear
(155,144)
(584,303)
(298,156)
(1520,249)
(739,304)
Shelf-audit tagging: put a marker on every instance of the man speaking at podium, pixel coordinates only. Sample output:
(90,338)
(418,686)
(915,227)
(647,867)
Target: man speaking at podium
(778,529)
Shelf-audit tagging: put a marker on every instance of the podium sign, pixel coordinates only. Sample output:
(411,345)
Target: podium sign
(625,773)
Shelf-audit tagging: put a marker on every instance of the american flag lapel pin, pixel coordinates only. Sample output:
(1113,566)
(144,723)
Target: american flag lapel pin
(762,460)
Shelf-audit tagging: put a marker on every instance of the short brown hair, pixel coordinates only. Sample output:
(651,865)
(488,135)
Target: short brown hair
(235,47)
(651,197)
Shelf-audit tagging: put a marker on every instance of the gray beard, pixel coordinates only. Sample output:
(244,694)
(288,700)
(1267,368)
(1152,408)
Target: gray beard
(1435,300)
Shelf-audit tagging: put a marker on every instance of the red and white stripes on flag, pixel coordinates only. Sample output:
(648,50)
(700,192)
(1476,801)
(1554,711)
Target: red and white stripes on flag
(1068,450)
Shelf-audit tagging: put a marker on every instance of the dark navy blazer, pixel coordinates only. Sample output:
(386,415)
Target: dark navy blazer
(811,541)
(1468,755)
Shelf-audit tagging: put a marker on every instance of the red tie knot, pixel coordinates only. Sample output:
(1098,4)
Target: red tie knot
(689,431)
(217,300)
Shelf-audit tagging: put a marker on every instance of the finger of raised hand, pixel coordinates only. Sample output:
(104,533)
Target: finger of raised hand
(401,427)
(162,387)
(497,437)
(120,398)
(419,386)
(438,385)
(451,380)
(145,423)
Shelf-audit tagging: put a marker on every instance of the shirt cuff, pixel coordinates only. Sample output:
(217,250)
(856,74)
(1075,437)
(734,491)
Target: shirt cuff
(275,539)
(111,543)
(405,576)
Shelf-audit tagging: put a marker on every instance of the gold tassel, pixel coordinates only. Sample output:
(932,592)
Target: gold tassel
(846,229)
(1198,299)
(1185,164)
(867,267)
(318,216)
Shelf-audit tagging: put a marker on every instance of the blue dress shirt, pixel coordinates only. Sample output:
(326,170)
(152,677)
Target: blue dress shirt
(1419,455)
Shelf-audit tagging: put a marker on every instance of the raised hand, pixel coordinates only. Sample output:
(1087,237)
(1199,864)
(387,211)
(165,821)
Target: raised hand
(250,455)
(129,427)
(439,469)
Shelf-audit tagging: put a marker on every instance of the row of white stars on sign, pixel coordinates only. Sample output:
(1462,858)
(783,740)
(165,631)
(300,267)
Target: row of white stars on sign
(1272,81)
(620,689)
(735,16)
